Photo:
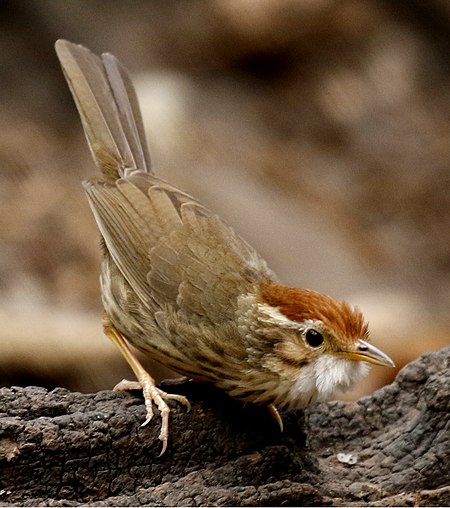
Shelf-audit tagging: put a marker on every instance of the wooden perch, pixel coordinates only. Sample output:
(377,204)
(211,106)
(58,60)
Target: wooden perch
(392,448)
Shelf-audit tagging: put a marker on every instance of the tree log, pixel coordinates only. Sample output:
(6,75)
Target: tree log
(61,448)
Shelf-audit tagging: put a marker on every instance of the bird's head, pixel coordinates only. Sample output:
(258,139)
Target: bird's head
(318,325)
(315,335)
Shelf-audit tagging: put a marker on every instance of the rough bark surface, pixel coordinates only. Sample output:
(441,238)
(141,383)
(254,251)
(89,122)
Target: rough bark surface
(392,448)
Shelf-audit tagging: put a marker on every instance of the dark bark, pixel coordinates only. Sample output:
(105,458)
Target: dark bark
(64,448)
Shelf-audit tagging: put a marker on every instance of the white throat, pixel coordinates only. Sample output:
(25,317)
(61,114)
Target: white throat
(319,380)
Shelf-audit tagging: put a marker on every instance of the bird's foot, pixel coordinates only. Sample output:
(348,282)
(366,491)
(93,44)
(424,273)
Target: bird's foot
(153,394)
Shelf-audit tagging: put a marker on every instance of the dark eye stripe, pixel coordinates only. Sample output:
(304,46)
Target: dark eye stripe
(292,362)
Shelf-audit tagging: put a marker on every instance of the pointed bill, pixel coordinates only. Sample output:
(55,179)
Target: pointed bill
(366,352)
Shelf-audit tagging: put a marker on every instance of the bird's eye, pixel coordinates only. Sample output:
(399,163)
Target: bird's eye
(314,338)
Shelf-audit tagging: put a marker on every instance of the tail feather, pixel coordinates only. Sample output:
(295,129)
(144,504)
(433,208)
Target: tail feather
(109,110)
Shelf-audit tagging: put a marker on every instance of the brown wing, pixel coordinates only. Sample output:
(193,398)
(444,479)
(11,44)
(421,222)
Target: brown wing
(108,107)
(171,249)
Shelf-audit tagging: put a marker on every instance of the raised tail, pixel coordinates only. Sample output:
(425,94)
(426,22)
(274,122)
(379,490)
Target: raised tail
(109,109)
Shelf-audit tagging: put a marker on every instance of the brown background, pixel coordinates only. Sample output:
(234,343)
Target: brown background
(319,129)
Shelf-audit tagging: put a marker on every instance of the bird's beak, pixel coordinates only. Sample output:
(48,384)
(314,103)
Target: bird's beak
(368,353)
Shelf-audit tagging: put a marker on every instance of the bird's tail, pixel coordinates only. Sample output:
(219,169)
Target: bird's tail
(109,109)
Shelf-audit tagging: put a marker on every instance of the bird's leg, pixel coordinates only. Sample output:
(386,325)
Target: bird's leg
(276,415)
(144,382)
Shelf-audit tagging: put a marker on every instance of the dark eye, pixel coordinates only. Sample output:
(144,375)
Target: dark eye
(314,338)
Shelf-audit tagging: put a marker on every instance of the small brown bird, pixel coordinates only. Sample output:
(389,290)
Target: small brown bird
(180,285)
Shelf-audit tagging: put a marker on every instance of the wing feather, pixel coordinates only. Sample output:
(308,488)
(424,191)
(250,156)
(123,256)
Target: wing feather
(124,231)
(190,260)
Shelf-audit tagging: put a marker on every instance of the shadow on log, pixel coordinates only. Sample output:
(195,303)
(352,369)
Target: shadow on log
(63,448)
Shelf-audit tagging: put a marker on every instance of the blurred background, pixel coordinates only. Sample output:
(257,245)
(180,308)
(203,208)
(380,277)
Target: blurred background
(319,129)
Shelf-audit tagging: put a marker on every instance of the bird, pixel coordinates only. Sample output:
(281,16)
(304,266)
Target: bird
(180,285)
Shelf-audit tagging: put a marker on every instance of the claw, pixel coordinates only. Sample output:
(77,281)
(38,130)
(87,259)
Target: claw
(149,415)
(164,447)
(276,415)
